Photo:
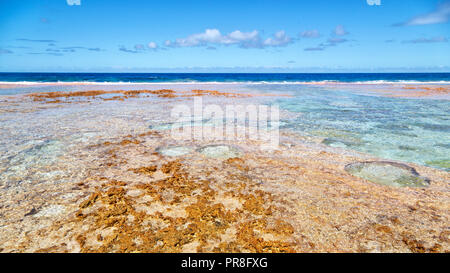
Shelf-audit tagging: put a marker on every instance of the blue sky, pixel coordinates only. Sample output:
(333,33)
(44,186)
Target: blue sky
(224,36)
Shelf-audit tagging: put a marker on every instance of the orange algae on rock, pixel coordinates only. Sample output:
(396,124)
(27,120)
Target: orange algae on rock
(238,163)
(90,201)
(422,91)
(122,95)
(60,97)
(145,170)
(200,226)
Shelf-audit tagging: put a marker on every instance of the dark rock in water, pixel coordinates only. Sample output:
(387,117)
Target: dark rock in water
(334,142)
(388,173)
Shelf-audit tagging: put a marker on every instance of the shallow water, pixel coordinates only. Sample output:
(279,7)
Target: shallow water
(405,129)
(32,140)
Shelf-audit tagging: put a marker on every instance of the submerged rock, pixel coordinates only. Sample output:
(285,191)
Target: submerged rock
(335,143)
(388,173)
(174,150)
(219,151)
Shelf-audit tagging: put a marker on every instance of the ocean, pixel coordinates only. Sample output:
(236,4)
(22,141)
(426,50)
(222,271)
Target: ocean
(228,77)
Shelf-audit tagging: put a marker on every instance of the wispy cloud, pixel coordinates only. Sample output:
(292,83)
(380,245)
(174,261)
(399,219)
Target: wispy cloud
(439,39)
(45,53)
(35,41)
(211,37)
(19,47)
(52,50)
(318,48)
(440,15)
(74,48)
(58,51)
(140,48)
(5,51)
(124,49)
(334,40)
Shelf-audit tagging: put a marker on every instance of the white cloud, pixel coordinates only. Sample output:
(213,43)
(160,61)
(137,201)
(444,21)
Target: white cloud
(200,39)
(340,30)
(152,45)
(280,39)
(440,15)
(242,39)
(310,34)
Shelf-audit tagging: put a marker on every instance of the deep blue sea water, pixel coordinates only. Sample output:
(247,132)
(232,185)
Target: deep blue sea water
(225,77)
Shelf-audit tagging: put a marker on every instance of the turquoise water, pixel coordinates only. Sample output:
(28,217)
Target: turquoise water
(411,130)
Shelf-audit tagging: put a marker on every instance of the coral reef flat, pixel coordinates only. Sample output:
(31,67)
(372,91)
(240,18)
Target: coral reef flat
(95,171)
